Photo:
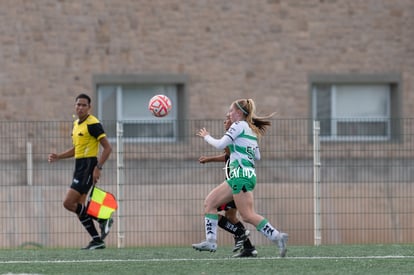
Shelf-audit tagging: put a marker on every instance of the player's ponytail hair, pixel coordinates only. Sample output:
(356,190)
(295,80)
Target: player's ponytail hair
(258,124)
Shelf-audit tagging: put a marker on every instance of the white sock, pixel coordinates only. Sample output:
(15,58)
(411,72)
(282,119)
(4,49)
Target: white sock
(268,230)
(211,222)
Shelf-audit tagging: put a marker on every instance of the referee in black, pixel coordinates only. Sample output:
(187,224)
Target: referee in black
(87,135)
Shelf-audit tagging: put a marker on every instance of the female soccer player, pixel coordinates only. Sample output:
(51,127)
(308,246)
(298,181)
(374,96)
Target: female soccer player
(244,150)
(229,221)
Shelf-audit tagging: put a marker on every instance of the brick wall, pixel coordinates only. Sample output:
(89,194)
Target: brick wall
(262,49)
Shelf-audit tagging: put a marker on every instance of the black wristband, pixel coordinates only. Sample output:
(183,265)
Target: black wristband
(99,166)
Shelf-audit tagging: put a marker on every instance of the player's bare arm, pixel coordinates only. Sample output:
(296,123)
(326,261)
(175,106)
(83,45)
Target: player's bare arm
(203,132)
(217,158)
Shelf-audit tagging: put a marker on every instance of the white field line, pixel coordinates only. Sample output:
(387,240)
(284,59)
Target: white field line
(209,259)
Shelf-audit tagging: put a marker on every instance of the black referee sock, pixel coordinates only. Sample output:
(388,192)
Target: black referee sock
(80,209)
(87,222)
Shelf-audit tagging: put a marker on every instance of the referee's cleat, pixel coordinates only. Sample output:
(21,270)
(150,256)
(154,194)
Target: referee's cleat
(208,245)
(105,226)
(239,240)
(94,245)
(246,252)
(281,241)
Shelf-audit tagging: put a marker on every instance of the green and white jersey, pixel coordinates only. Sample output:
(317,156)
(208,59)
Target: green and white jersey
(242,143)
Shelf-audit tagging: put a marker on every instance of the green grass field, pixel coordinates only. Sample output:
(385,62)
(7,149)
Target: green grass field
(336,259)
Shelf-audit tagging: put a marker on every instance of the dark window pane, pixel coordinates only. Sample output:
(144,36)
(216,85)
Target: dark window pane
(149,130)
(362,128)
(323,108)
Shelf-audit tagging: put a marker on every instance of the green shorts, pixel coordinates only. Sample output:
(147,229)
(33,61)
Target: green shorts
(242,180)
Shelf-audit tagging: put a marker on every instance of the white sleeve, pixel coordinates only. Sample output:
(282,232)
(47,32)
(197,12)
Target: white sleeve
(218,143)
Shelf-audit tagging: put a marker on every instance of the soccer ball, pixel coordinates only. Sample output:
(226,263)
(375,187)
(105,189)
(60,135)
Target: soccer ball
(159,105)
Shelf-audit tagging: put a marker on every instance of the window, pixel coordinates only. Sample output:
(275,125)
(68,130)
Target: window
(355,108)
(125,99)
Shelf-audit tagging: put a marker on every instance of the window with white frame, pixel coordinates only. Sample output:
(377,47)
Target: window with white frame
(355,111)
(127,103)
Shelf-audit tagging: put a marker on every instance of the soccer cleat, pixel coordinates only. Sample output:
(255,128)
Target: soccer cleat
(239,240)
(206,246)
(94,245)
(246,252)
(105,226)
(281,241)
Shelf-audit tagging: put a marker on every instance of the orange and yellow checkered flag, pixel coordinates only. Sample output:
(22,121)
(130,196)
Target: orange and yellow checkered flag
(101,204)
